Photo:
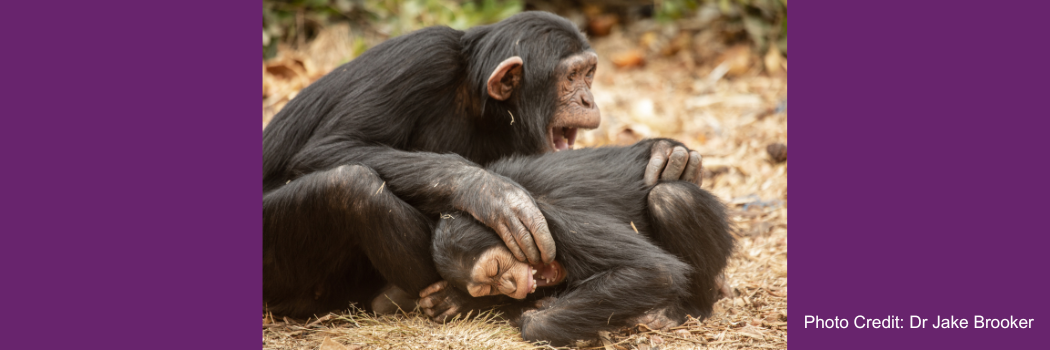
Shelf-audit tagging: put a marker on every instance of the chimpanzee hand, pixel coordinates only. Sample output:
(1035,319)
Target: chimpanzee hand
(441,302)
(508,209)
(670,162)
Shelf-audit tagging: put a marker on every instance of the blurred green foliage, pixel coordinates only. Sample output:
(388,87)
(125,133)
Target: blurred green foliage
(670,10)
(299,20)
(403,16)
(764,21)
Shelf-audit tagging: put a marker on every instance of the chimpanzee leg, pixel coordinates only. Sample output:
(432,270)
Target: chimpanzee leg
(338,236)
(690,223)
(646,280)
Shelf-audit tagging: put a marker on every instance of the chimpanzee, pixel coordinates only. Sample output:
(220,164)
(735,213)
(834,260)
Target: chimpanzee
(627,251)
(358,166)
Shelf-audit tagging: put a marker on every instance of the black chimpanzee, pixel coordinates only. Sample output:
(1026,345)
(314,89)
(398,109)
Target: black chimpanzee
(627,251)
(358,166)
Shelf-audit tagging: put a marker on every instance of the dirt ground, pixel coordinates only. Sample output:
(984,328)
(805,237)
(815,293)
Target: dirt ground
(731,108)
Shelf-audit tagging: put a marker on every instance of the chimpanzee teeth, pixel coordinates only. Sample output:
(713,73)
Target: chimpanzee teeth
(533,271)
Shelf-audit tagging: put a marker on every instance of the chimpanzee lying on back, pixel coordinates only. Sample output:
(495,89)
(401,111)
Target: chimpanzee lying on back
(626,251)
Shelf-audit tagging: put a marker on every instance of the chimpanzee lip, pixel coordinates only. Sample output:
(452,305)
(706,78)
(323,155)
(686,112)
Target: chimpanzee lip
(548,275)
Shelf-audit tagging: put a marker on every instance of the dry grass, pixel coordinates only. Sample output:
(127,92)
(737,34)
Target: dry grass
(729,120)
(409,331)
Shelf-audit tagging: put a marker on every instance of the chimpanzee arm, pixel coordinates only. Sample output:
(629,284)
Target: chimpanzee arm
(651,160)
(435,183)
(643,280)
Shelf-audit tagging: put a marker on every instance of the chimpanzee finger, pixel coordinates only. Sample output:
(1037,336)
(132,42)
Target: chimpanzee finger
(658,158)
(692,171)
(431,306)
(433,288)
(675,164)
(699,170)
(447,315)
(437,314)
(510,239)
(434,306)
(541,236)
(525,241)
(426,303)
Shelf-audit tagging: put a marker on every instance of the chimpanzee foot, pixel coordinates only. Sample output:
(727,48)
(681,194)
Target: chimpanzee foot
(441,302)
(391,299)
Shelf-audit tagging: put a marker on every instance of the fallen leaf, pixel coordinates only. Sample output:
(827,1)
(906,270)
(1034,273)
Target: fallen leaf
(774,62)
(778,152)
(627,59)
(604,336)
(738,59)
(602,24)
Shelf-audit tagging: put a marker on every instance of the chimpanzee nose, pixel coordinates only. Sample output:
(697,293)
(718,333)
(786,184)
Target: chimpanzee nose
(587,100)
(509,286)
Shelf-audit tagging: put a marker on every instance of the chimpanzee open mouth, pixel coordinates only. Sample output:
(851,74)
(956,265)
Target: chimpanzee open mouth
(549,275)
(562,138)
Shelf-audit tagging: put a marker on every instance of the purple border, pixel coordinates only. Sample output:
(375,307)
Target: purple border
(131,151)
(918,173)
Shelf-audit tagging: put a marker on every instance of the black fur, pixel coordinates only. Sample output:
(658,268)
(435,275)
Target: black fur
(590,198)
(412,120)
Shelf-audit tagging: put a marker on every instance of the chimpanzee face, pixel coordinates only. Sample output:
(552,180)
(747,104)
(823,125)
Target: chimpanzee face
(497,272)
(575,107)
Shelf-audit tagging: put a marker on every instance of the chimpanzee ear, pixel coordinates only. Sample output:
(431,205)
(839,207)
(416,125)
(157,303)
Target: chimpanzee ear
(505,78)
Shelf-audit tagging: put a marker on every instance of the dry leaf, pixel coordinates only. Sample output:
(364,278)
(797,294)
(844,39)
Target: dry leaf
(774,62)
(648,40)
(604,336)
(739,60)
(602,24)
(630,58)
(778,152)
